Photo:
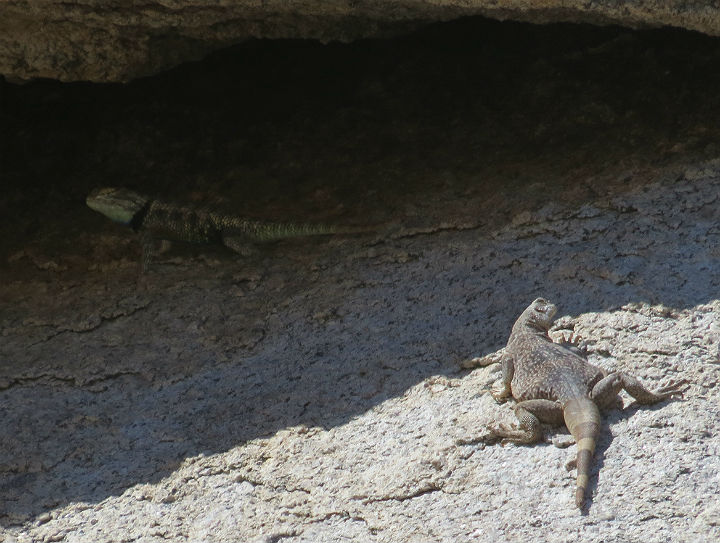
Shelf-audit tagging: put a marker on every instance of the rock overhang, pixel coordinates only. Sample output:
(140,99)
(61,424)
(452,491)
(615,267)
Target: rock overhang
(114,41)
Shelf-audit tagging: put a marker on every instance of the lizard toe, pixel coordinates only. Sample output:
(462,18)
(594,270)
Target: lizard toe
(674,388)
(500,393)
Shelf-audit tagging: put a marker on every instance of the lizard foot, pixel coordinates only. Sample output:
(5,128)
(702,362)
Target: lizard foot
(506,433)
(500,393)
(482,361)
(673,388)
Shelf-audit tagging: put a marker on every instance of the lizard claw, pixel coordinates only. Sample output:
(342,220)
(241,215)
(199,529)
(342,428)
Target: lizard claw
(492,435)
(504,433)
(500,393)
(482,361)
(478,361)
(674,388)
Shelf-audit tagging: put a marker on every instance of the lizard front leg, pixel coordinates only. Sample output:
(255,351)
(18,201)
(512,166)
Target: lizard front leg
(530,414)
(502,391)
(148,250)
(605,391)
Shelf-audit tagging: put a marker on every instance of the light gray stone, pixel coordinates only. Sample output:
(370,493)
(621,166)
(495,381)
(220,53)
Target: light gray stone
(296,444)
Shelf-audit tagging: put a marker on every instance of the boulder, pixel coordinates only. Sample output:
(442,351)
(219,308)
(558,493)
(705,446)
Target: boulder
(111,40)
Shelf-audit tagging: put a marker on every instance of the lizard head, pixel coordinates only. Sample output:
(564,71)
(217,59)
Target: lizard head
(117,204)
(539,314)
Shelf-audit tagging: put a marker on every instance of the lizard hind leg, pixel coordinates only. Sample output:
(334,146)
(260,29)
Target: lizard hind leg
(502,390)
(530,414)
(605,391)
(239,244)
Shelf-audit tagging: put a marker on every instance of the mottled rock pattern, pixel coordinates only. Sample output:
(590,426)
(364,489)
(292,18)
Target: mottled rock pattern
(307,437)
(111,40)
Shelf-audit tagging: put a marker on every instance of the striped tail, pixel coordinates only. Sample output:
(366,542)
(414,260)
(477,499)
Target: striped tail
(269,231)
(583,420)
(231,226)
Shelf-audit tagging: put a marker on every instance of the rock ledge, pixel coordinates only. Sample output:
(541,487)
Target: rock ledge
(108,40)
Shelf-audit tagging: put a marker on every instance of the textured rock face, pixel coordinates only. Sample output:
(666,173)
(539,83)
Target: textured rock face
(314,391)
(111,40)
(347,413)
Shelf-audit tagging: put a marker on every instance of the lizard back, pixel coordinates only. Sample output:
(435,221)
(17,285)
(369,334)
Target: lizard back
(179,223)
(548,370)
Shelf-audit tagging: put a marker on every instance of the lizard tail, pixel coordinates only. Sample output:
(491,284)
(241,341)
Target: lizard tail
(270,231)
(267,231)
(264,230)
(583,420)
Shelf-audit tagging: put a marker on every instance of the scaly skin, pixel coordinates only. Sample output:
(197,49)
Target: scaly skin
(158,220)
(555,384)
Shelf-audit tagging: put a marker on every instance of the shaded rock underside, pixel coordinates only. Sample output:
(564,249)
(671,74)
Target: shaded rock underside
(107,40)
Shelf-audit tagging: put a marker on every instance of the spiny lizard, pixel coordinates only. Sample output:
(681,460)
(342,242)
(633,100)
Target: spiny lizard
(159,220)
(553,383)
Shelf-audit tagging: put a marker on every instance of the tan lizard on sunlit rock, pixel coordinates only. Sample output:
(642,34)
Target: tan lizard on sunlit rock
(554,384)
